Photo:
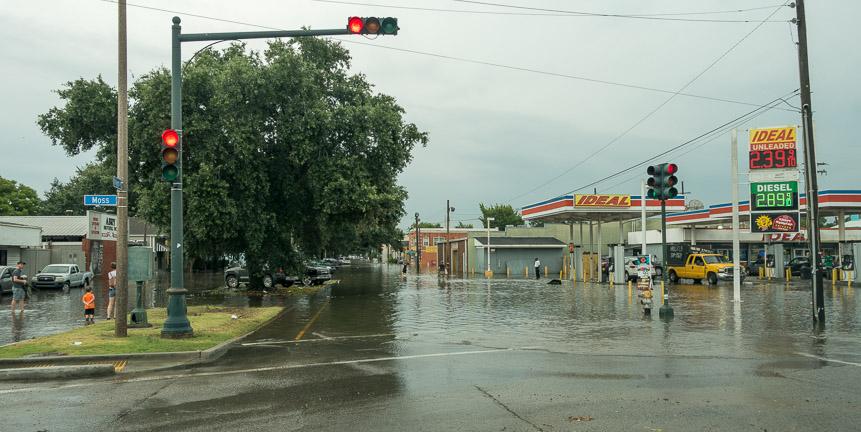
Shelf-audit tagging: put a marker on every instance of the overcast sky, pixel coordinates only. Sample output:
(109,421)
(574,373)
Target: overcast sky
(523,100)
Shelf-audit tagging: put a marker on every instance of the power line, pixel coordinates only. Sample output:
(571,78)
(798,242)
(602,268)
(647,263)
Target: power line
(765,107)
(651,113)
(716,133)
(447,57)
(549,14)
(607,15)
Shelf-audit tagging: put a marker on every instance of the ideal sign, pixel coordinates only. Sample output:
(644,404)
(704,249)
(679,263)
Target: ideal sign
(602,201)
(773,148)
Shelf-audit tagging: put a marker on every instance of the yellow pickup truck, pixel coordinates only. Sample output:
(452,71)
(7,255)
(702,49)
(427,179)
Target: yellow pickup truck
(699,266)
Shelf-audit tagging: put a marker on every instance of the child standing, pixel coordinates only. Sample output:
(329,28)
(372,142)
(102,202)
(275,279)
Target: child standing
(112,290)
(89,306)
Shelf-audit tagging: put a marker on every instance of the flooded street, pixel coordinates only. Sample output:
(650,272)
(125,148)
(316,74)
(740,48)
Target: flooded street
(376,351)
(375,299)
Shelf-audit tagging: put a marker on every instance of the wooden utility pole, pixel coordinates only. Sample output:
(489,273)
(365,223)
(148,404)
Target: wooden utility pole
(810,166)
(121,304)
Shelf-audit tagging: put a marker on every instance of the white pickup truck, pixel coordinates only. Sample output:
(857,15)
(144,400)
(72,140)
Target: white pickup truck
(61,276)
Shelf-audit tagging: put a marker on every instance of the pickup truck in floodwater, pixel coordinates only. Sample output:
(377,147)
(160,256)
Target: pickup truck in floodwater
(698,266)
(61,276)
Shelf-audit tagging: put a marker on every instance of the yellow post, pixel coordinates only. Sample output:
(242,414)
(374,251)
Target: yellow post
(527,271)
(611,279)
(560,274)
(629,289)
(761,271)
(788,274)
(833,276)
(507,271)
(545,271)
(473,271)
(574,275)
(662,292)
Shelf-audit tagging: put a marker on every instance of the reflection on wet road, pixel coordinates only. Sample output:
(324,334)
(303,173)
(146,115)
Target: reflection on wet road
(373,311)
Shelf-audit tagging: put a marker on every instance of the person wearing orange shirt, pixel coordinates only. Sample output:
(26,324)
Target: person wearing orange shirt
(89,306)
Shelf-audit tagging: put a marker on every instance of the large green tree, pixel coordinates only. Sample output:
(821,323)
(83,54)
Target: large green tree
(93,179)
(17,199)
(502,214)
(280,148)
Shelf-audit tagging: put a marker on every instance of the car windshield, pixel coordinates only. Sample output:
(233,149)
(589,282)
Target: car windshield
(55,269)
(716,259)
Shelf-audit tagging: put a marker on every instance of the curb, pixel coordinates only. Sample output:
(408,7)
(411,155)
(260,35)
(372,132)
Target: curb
(66,367)
(57,372)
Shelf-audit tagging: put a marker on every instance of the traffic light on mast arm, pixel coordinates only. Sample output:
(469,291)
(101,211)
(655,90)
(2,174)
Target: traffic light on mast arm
(372,25)
(663,181)
(170,163)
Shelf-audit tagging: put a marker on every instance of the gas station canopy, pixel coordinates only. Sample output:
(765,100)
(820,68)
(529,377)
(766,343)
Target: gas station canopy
(605,208)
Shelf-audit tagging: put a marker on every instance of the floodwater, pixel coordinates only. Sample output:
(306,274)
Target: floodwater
(772,318)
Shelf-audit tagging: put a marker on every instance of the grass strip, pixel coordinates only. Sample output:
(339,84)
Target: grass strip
(212,325)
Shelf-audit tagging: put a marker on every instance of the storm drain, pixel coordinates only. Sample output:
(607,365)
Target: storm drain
(32,366)
(118,365)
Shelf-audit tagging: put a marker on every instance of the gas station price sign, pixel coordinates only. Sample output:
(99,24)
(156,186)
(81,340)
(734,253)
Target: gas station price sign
(777,196)
(773,148)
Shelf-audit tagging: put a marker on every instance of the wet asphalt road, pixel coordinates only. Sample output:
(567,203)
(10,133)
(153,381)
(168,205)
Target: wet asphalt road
(377,352)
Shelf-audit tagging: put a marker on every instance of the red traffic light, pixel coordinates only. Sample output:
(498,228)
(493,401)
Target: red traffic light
(672,169)
(355,24)
(170,138)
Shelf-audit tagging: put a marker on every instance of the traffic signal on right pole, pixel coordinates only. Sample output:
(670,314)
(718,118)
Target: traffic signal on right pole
(372,25)
(169,156)
(662,181)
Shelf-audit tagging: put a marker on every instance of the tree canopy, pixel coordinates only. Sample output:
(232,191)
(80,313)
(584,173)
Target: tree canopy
(502,214)
(282,151)
(17,199)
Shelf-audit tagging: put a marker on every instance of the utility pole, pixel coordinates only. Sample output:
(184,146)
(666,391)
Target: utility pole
(810,166)
(448,208)
(120,324)
(418,248)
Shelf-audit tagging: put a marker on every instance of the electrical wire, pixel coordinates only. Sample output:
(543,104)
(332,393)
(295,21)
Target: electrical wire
(742,118)
(607,15)
(650,114)
(553,14)
(502,66)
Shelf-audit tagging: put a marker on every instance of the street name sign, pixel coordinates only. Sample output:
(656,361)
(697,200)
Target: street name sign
(102,200)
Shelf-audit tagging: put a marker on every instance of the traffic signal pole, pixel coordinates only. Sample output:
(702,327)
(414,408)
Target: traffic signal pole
(177,324)
(666,311)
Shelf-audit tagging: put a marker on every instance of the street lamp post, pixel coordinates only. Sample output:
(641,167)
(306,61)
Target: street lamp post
(488,273)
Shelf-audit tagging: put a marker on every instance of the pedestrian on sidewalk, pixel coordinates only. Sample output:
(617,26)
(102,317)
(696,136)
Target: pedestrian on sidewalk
(18,281)
(112,290)
(89,306)
(537,268)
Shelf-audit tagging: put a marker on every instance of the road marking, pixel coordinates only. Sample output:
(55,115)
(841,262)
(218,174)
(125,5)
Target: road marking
(828,359)
(307,326)
(328,338)
(320,335)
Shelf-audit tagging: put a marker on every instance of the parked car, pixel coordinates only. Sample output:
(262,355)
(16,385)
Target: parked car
(331,262)
(631,272)
(753,268)
(323,263)
(315,275)
(6,279)
(796,265)
(61,276)
(234,276)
